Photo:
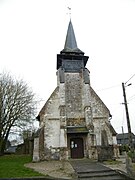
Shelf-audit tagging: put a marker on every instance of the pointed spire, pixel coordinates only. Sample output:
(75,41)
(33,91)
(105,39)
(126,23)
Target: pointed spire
(70,38)
(70,43)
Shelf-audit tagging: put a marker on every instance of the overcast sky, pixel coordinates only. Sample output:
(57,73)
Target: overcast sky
(33,32)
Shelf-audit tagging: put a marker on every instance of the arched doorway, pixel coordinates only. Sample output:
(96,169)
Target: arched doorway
(76,148)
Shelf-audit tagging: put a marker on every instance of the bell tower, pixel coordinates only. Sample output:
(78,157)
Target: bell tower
(73,76)
(74,92)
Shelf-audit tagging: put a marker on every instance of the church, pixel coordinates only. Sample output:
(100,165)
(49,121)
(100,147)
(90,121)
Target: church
(74,122)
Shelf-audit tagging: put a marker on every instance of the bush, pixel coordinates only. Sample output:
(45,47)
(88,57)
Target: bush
(131,154)
(124,148)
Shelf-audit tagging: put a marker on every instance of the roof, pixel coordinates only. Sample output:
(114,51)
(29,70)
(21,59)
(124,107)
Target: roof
(124,136)
(70,43)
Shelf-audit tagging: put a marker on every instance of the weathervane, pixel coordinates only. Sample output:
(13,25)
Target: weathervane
(69,12)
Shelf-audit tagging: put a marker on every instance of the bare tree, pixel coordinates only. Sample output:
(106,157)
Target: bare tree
(16,106)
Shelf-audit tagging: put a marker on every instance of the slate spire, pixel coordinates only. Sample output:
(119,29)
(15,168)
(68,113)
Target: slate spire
(71,56)
(70,42)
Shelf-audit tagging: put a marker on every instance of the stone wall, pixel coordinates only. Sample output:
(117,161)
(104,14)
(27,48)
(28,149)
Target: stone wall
(105,153)
(36,150)
(100,126)
(73,95)
(99,109)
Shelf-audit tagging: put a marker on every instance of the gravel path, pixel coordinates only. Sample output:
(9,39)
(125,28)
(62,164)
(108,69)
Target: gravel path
(56,169)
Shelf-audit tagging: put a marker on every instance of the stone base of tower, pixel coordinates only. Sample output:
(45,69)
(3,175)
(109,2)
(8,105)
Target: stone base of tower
(64,154)
(59,153)
(98,153)
(79,145)
(92,153)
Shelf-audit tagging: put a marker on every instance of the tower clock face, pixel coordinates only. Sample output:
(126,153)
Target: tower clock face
(72,65)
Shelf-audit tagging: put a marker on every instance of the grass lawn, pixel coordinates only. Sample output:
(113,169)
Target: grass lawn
(12,166)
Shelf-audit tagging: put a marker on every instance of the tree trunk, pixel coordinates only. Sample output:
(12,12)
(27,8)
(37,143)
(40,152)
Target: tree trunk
(2,146)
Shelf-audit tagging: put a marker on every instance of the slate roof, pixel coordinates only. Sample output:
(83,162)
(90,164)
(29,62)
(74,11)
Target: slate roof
(124,136)
(70,43)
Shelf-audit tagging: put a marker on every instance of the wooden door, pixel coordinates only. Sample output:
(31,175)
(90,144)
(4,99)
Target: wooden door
(77,148)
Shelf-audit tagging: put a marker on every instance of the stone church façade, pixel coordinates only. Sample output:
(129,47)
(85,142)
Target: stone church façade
(74,122)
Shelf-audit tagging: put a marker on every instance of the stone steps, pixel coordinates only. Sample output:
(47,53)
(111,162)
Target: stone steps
(100,175)
(88,170)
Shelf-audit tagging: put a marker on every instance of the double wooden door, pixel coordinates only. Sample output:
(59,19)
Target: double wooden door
(76,148)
